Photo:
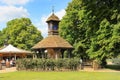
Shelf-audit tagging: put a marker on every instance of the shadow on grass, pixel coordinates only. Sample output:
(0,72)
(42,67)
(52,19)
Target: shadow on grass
(113,67)
(1,77)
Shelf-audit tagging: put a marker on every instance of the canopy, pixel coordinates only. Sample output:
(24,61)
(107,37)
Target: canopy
(11,49)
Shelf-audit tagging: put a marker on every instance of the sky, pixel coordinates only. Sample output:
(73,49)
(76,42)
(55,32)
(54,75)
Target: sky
(37,10)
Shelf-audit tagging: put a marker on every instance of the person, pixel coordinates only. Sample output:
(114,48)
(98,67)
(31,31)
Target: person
(3,62)
(11,63)
(81,64)
(7,63)
(81,61)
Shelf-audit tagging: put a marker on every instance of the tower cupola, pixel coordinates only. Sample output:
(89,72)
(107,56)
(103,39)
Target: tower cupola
(53,24)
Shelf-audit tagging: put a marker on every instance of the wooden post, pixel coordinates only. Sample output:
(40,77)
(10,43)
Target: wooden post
(15,57)
(42,52)
(69,53)
(56,55)
(62,53)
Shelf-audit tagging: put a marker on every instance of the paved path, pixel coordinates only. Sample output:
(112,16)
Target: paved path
(12,69)
(99,70)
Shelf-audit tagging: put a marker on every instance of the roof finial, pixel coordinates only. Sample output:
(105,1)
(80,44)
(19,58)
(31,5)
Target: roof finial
(53,9)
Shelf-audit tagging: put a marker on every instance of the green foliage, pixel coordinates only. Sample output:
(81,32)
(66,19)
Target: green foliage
(116,61)
(20,33)
(70,27)
(93,28)
(59,63)
(72,64)
(2,37)
(47,64)
(80,50)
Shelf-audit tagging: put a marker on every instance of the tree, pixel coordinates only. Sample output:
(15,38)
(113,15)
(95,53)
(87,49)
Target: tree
(70,27)
(21,33)
(92,26)
(99,48)
(114,46)
(105,42)
(2,39)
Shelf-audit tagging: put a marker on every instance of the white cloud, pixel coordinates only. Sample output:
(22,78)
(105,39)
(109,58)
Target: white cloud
(60,13)
(42,25)
(11,12)
(14,2)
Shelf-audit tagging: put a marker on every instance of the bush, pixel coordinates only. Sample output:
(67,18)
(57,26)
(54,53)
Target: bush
(59,64)
(116,61)
(40,64)
(72,64)
(50,64)
(47,64)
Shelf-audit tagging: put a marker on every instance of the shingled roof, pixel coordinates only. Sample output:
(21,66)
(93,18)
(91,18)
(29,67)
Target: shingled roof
(53,41)
(53,17)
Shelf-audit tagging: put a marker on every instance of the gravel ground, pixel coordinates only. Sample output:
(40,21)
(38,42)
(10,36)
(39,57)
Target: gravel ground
(13,69)
(5,70)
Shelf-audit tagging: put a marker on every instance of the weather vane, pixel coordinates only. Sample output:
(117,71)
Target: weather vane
(52,9)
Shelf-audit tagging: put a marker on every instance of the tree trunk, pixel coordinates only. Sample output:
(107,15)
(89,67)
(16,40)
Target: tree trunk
(104,63)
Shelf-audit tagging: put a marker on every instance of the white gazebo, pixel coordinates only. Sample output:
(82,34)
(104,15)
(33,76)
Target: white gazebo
(11,51)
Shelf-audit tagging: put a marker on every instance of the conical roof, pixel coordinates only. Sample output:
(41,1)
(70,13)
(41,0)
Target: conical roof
(53,41)
(53,17)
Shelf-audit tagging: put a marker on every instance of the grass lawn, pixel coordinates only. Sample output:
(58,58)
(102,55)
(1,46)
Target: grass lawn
(24,75)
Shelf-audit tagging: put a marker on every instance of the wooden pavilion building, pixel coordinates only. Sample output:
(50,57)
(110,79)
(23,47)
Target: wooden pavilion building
(53,46)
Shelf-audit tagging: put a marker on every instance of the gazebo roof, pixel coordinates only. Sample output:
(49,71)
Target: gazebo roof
(53,41)
(11,49)
(53,17)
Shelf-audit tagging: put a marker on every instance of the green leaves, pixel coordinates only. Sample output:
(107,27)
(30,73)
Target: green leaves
(21,33)
(72,25)
(93,27)
(48,64)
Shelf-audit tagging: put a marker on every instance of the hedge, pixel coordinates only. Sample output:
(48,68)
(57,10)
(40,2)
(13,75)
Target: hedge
(116,61)
(48,64)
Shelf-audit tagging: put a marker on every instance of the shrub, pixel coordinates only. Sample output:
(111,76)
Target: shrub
(59,64)
(50,64)
(116,61)
(47,64)
(40,64)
